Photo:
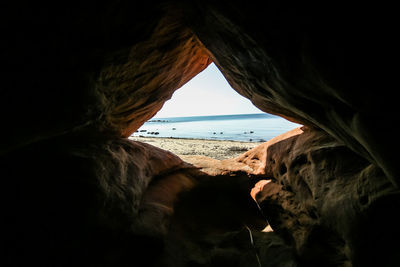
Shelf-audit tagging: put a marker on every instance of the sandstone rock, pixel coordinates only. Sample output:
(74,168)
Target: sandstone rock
(218,204)
(298,61)
(231,249)
(97,200)
(108,65)
(317,199)
(211,226)
(216,167)
(256,158)
(120,198)
(71,196)
(173,56)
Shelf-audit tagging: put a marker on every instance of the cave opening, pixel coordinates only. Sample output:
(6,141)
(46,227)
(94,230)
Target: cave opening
(81,78)
(207,117)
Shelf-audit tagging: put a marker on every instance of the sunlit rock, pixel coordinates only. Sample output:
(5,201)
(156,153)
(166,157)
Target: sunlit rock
(80,78)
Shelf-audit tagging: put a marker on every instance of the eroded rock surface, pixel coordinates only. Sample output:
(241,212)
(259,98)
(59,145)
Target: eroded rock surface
(320,196)
(80,77)
(301,62)
(110,201)
(97,201)
(317,195)
(110,68)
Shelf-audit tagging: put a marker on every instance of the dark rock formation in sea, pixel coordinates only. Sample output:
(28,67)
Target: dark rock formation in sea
(81,77)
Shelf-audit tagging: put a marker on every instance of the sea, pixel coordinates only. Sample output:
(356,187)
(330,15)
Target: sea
(258,127)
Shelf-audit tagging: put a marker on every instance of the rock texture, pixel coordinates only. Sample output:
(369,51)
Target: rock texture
(89,202)
(301,62)
(80,77)
(109,68)
(319,198)
(94,200)
(317,195)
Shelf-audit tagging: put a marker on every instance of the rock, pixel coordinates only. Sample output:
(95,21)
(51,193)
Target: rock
(316,91)
(303,198)
(124,63)
(314,196)
(157,121)
(73,189)
(216,167)
(268,250)
(256,158)
(122,194)
(218,204)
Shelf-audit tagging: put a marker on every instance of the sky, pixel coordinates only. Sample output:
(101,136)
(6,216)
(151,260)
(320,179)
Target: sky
(206,94)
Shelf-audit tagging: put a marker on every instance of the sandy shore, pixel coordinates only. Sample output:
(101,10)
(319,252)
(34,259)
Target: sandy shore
(211,148)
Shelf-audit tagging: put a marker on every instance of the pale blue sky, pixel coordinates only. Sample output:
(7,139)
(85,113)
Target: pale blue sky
(206,94)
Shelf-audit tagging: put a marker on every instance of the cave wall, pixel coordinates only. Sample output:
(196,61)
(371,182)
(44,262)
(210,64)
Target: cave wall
(75,201)
(297,61)
(106,67)
(80,78)
(316,64)
(332,205)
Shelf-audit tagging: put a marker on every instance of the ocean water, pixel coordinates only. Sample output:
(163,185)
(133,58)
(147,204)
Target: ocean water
(244,127)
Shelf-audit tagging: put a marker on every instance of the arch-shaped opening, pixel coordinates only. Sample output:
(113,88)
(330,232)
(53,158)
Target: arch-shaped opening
(207,110)
(76,190)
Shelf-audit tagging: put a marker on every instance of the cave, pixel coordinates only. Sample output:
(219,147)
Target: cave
(80,78)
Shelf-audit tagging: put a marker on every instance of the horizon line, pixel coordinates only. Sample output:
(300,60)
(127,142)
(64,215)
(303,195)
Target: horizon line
(155,117)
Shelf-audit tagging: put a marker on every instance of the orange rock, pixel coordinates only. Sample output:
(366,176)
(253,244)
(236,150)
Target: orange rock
(258,188)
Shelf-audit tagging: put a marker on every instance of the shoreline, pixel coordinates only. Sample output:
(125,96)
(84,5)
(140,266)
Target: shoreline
(183,147)
(194,139)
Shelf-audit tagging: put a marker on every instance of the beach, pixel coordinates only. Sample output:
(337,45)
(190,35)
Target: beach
(184,147)
(218,137)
